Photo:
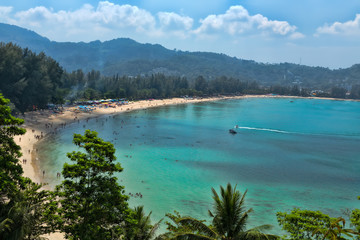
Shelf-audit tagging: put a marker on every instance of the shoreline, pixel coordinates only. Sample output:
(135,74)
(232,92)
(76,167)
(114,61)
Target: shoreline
(40,124)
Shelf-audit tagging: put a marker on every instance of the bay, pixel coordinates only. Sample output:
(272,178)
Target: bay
(288,153)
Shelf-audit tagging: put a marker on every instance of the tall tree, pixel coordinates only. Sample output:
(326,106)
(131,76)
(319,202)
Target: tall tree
(229,219)
(26,216)
(200,84)
(28,79)
(143,229)
(22,203)
(10,170)
(92,204)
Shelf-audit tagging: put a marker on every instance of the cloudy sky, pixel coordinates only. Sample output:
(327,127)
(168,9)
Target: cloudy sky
(311,32)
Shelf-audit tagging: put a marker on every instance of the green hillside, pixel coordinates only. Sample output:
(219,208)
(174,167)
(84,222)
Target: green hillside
(125,56)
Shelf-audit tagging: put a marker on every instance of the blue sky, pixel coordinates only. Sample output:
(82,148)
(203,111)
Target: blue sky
(311,32)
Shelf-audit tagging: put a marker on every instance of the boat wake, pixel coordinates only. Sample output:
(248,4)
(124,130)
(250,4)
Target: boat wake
(264,129)
(298,133)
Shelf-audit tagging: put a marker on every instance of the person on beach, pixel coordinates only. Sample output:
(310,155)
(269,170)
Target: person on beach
(43,173)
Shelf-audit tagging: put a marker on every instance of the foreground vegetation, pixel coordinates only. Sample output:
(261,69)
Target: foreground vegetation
(90,204)
(32,80)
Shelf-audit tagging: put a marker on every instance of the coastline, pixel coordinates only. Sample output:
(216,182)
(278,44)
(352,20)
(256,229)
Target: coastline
(40,124)
(45,123)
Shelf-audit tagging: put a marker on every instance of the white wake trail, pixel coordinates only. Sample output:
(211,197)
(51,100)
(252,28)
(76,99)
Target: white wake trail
(264,129)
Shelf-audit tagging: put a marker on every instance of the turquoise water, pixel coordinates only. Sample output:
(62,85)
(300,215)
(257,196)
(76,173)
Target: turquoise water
(304,153)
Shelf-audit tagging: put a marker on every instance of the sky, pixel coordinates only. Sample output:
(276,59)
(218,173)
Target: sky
(322,33)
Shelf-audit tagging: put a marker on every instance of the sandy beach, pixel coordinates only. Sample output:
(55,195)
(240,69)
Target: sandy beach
(40,124)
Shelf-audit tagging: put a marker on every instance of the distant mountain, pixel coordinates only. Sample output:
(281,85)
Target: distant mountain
(23,37)
(125,56)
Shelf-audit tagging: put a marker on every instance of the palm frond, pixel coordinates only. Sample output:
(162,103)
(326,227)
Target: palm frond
(257,234)
(5,225)
(154,229)
(191,236)
(198,226)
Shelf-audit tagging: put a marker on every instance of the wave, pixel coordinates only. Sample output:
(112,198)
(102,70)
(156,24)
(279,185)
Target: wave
(264,129)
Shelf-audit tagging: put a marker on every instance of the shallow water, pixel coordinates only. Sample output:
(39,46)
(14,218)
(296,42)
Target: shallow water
(287,154)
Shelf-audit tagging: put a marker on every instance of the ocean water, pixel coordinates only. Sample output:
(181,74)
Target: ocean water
(287,153)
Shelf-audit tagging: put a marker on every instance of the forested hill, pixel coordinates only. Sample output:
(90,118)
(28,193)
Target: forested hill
(127,57)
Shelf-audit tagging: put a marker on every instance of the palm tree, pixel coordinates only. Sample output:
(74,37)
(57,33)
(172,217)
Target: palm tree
(336,229)
(24,216)
(229,219)
(143,228)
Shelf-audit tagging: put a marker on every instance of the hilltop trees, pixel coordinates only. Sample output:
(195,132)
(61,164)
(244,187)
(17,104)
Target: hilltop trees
(28,79)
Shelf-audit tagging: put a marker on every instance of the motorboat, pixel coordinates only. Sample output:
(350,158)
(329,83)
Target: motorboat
(232,131)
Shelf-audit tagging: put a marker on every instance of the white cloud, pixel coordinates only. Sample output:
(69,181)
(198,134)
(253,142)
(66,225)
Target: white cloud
(5,10)
(347,28)
(87,23)
(175,24)
(173,21)
(4,13)
(296,35)
(125,16)
(237,21)
(109,20)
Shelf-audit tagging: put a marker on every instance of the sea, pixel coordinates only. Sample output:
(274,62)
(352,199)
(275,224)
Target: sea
(287,153)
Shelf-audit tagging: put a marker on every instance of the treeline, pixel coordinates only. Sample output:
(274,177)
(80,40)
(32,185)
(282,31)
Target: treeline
(90,204)
(94,86)
(32,80)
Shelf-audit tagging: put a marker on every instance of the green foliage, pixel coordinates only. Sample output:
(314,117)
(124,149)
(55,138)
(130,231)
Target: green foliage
(22,203)
(229,219)
(28,79)
(142,229)
(335,230)
(187,228)
(304,224)
(338,92)
(26,214)
(10,169)
(355,219)
(355,91)
(154,86)
(92,204)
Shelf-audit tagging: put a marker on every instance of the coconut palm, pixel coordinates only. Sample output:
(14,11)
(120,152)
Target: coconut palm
(336,229)
(229,219)
(143,228)
(24,216)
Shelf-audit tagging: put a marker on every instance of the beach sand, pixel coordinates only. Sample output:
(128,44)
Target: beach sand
(39,124)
